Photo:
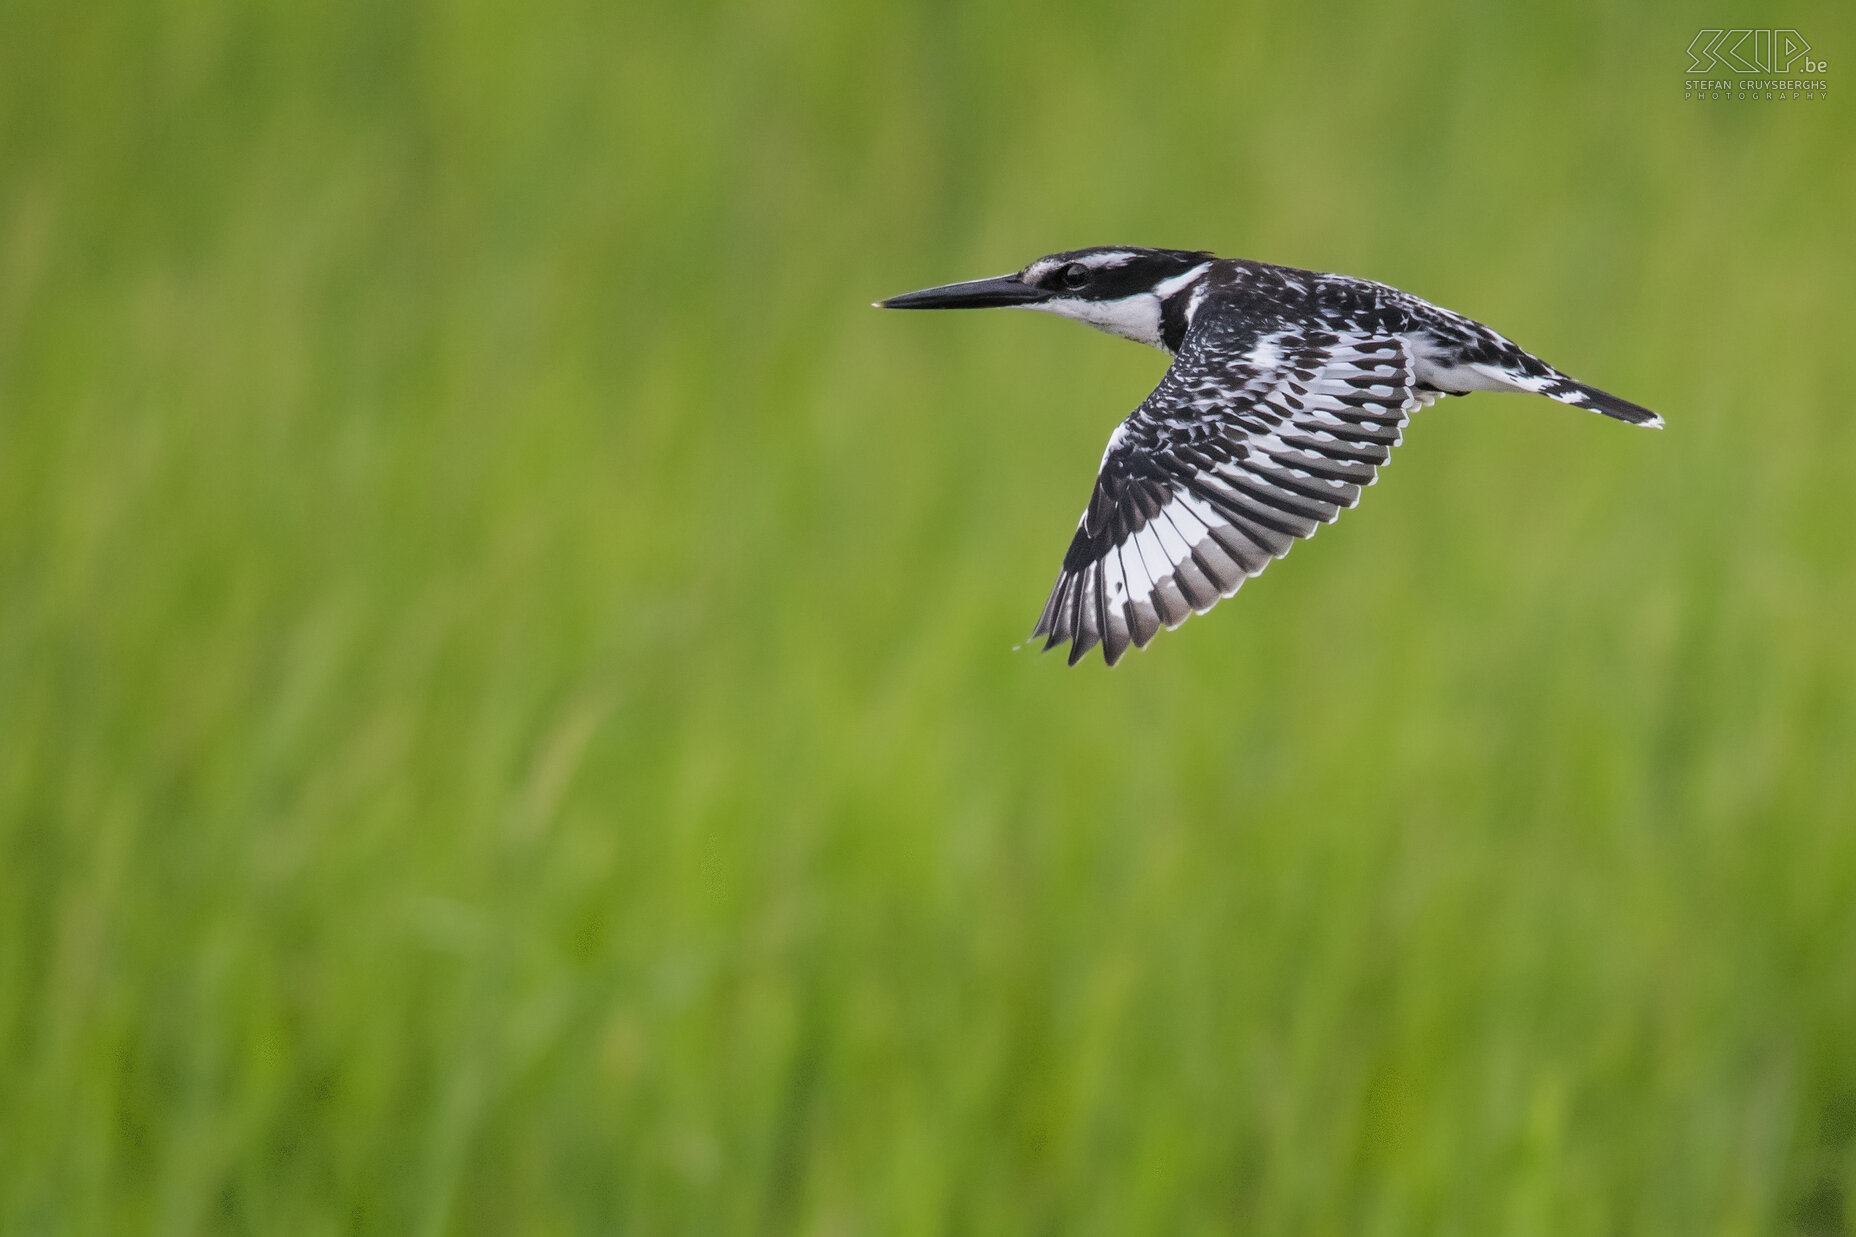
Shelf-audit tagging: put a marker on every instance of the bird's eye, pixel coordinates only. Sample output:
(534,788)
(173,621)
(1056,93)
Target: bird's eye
(1075,275)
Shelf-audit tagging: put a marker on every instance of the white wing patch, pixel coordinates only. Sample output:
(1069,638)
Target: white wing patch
(1114,440)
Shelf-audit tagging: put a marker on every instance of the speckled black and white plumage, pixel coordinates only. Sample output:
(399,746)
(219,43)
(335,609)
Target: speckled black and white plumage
(1287,393)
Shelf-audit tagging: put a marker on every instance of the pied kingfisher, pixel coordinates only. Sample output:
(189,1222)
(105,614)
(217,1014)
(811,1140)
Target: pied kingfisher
(1288,390)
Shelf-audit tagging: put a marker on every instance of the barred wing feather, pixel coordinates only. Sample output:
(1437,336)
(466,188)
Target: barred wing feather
(1250,443)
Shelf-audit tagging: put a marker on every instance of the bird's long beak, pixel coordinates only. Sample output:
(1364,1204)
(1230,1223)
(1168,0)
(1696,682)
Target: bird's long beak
(973,294)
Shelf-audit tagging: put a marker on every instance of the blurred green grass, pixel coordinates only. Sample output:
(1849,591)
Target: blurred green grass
(508,719)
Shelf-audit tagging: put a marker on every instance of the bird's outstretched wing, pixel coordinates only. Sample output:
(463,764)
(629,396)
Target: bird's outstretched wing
(1250,442)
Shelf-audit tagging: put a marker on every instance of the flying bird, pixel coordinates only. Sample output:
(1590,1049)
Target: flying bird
(1287,392)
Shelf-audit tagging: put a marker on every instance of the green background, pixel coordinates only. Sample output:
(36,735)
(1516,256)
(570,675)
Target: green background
(509,719)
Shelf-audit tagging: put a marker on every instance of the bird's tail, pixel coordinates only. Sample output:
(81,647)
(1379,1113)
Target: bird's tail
(1571,391)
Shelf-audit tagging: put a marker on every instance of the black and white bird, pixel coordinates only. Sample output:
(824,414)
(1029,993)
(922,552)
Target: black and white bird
(1287,392)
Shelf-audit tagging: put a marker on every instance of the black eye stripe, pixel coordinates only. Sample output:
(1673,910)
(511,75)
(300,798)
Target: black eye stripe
(1113,283)
(1120,274)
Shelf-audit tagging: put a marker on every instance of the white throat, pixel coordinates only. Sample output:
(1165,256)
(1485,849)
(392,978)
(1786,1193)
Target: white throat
(1134,317)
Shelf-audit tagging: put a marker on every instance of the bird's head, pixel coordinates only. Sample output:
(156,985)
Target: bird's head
(1119,290)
